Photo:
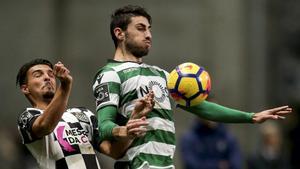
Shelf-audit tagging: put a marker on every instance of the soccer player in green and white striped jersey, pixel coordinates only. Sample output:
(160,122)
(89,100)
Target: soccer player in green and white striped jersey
(126,78)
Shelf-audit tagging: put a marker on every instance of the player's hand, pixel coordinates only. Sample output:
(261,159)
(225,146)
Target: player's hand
(277,113)
(136,127)
(143,106)
(62,73)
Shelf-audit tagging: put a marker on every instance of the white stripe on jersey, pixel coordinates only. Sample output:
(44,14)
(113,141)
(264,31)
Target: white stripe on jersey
(146,165)
(150,147)
(109,76)
(126,66)
(156,123)
(75,161)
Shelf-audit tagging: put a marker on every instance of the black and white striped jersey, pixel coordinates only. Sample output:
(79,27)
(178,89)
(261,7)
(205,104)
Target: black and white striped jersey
(72,143)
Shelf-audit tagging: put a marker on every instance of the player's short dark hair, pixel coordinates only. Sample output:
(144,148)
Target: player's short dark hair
(22,74)
(122,17)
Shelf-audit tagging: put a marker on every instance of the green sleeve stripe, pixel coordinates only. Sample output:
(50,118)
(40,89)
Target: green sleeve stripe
(154,160)
(106,121)
(215,112)
(157,136)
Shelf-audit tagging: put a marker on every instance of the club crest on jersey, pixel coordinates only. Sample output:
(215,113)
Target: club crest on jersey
(25,118)
(101,93)
(81,116)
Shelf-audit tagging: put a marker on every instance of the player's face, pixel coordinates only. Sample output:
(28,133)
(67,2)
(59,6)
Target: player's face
(41,82)
(138,36)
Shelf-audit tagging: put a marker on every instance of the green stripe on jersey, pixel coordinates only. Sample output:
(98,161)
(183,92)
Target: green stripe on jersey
(162,113)
(138,71)
(114,87)
(128,97)
(153,160)
(156,135)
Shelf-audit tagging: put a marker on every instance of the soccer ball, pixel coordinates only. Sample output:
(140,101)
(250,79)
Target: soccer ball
(189,84)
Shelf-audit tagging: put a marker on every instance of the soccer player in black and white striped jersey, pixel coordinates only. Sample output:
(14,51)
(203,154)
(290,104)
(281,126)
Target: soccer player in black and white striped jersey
(67,139)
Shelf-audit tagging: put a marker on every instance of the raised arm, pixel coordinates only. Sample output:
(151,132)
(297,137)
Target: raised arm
(46,122)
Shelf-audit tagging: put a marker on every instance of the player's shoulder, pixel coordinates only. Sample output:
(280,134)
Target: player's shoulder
(28,114)
(81,110)
(81,113)
(157,68)
(106,69)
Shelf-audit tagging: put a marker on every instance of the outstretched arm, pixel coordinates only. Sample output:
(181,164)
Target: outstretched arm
(216,112)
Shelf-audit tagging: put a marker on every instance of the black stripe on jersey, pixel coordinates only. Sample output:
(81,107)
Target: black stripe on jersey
(90,161)
(96,136)
(61,164)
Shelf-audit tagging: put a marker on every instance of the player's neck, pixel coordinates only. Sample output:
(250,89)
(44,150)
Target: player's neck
(41,104)
(123,55)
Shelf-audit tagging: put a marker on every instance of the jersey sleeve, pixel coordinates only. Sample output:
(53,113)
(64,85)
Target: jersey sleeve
(219,113)
(106,88)
(25,122)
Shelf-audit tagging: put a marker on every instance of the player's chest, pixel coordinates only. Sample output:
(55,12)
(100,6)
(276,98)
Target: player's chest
(72,131)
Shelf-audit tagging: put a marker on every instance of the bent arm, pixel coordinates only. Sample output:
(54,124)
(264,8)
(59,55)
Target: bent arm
(46,122)
(107,124)
(215,112)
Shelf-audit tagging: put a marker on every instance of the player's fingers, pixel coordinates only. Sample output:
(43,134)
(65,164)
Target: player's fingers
(274,117)
(278,108)
(283,112)
(136,124)
(140,134)
(135,131)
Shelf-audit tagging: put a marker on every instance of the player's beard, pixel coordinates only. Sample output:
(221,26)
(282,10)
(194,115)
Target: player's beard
(48,95)
(134,48)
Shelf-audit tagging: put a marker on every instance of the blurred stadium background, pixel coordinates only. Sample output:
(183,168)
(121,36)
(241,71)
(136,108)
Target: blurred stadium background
(250,48)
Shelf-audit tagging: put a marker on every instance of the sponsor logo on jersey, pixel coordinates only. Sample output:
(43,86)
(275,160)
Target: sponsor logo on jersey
(130,70)
(101,93)
(160,92)
(71,136)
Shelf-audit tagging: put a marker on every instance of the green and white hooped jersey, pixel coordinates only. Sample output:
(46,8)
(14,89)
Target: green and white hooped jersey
(120,84)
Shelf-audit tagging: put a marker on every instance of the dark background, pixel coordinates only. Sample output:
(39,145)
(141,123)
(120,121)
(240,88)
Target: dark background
(250,48)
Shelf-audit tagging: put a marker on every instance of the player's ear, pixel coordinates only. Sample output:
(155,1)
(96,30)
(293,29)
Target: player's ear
(24,89)
(119,33)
